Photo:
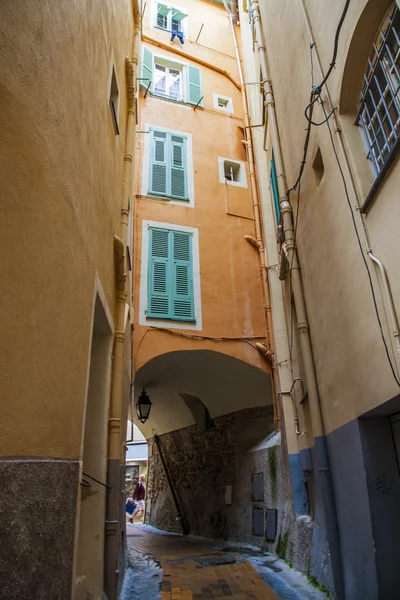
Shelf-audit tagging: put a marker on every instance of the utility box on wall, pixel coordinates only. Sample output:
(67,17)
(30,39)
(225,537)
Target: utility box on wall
(271,518)
(257,480)
(258,521)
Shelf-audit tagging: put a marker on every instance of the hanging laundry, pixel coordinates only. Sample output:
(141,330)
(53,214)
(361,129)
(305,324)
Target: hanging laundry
(178,34)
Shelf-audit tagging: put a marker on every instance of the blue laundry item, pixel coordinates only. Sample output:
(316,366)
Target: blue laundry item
(130,506)
(178,34)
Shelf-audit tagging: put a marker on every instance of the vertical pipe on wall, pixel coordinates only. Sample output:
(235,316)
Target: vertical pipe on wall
(259,243)
(116,430)
(320,450)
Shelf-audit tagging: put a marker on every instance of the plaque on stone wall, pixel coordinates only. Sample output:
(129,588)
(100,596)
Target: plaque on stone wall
(258,521)
(258,487)
(271,517)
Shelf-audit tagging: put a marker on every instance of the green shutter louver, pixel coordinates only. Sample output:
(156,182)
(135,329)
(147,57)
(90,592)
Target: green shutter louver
(170,281)
(182,292)
(159,267)
(178,15)
(159,163)
(162,9)
(146,72)
(275,189)
(168,169)
(194,85)
(178,167)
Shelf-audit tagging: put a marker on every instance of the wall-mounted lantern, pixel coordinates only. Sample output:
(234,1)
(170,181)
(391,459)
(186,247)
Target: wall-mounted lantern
(143,406)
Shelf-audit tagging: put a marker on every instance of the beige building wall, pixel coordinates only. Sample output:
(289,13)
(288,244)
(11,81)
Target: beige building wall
(61,180)
(354,375)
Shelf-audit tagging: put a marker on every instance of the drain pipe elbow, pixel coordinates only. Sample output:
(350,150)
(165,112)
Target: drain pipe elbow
(252,240)
(265,352)
(389,297)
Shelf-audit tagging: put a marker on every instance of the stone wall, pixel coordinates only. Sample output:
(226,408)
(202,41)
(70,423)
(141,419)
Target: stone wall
(202,464)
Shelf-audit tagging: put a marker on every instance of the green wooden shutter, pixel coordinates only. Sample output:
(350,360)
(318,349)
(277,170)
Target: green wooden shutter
(182,279)
(178,167)
(194,85)
(275,189)
(146,72)
(159,163)
(159,274)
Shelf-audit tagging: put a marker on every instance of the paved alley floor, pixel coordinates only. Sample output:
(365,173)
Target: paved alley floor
(168,566)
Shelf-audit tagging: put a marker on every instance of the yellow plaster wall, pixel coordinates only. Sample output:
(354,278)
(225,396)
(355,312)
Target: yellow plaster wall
(61,180)
(352,368)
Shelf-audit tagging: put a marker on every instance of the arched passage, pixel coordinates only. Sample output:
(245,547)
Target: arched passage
(223,383)
(210,460)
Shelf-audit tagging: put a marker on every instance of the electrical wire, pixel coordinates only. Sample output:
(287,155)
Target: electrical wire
(361,249)
(316,93)
(244,339)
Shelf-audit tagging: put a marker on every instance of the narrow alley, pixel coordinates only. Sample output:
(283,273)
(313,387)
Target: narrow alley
(200,299)
(169,566)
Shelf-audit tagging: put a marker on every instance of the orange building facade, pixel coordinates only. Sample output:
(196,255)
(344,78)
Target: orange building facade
(198,297)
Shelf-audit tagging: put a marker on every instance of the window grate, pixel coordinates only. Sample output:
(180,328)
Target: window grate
(379,113)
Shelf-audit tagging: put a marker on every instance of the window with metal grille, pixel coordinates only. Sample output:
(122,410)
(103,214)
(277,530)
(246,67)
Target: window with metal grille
(170,285)
(379,113)
(168,172)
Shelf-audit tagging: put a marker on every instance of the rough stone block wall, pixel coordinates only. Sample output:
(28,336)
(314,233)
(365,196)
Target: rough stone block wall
(203,463)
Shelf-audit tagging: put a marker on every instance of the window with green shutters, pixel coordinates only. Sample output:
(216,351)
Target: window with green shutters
(170,279)
(168,168)
(170,80)
(275,190)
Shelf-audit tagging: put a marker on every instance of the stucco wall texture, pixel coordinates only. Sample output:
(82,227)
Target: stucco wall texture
(353,372)
(231,296)
(203,463)
(61,181)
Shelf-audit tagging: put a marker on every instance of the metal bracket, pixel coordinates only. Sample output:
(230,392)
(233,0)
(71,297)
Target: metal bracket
(145,79)
(198,103)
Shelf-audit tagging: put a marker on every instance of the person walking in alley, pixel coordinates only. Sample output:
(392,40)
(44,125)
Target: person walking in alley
(139,493)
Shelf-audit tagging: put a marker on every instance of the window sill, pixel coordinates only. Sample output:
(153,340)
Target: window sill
(380,178)
(170,319)
(174,100)
(166,30)
(166,198)
(235,183)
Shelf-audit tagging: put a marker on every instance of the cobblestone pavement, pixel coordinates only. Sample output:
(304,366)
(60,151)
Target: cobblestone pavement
(174,567)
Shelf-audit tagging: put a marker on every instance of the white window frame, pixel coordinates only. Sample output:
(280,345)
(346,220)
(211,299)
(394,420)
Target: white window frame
(229,106)
(189,166)
(166,61)
(172,7)
(168,65)
(221,169)
(144,271)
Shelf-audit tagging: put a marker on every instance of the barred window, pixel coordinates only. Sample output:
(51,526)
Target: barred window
(379,113)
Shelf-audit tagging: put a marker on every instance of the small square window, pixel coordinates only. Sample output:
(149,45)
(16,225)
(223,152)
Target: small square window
(114,100)
(223,103)
(232,172)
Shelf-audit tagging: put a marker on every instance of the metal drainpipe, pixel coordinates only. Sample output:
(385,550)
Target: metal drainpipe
(116,433)
(259,243)
(322,467)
